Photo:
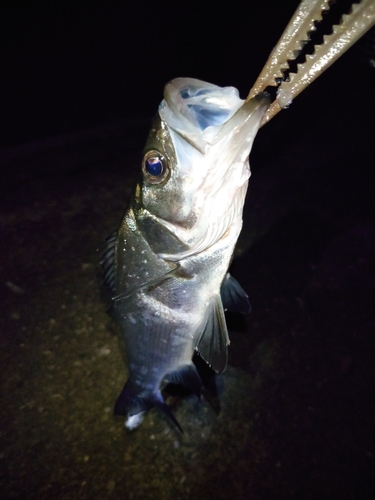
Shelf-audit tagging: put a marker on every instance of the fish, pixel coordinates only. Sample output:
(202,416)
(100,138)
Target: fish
(167,265)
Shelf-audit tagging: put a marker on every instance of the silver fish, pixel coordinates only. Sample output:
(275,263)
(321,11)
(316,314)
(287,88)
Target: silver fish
(167,266)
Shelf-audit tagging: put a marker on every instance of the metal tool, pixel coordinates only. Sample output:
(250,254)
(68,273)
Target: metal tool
(307,19)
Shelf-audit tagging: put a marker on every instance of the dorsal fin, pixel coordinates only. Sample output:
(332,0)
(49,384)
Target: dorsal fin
(107,262)
(234,296)
(212,343)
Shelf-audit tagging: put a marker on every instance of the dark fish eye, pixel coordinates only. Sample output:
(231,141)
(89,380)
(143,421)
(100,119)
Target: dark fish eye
(155,167)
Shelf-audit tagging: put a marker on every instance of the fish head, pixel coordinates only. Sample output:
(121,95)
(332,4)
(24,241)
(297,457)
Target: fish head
(195,167)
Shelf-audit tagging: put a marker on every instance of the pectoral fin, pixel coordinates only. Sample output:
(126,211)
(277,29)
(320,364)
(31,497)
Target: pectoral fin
(212,343)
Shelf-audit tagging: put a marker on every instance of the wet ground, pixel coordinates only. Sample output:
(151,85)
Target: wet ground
(296,416)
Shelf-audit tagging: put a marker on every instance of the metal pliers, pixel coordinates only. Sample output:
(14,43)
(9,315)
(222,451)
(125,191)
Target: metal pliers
(307,19)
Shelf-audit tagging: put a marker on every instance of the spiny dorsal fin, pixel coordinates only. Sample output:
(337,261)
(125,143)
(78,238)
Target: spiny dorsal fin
(213,341)
(107,262)
(234,296)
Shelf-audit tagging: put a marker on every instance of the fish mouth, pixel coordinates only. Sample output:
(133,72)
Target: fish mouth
(196,109)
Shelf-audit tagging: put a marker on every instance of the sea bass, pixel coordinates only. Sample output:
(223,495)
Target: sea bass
(167,265)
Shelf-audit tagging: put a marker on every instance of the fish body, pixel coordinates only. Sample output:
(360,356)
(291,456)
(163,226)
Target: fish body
(167,266)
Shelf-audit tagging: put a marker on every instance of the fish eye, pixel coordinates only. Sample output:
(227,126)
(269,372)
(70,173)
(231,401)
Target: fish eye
(155,167)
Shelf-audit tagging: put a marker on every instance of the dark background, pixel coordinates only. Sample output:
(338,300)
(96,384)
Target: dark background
(67,66)
(79,84)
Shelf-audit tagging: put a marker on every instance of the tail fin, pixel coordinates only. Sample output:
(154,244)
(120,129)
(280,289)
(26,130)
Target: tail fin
(134,400)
